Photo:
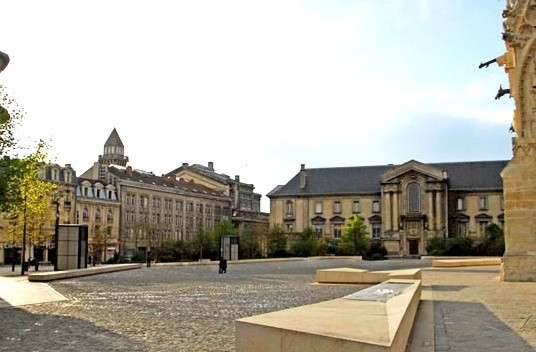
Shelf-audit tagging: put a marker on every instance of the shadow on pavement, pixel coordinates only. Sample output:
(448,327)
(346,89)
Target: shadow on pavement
(469,327)
(22,331)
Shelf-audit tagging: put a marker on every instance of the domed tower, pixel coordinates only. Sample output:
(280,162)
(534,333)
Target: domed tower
(114,151)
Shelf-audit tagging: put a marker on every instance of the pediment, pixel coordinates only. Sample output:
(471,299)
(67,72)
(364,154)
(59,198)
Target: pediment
(337,219)
(318,220)
(412,166)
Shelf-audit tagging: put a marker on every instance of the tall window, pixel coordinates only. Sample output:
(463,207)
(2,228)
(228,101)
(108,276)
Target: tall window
(460,204)
(414,198)
(337,230)
(319,230)
(290,207)
(376,230)
(376,206)
(337,208)
(483,203)
(97,215)
(461,229)
(318,207)
(357,206)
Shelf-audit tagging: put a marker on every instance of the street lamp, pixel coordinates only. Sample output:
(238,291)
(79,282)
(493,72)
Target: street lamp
(4,60)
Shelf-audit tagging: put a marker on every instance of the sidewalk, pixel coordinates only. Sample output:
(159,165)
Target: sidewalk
(469,309)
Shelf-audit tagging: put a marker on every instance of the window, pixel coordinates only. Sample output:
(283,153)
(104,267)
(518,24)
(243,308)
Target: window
(85,214)
(337,230)
(376,206)
(357,206)
(414,198)
(376,230)
(460,204)
(290,227)
(337,208)
(318,207)
(483,203)
(109,216)
(482,224)
(290,207)
(97,215)
(461,229)
(319,230)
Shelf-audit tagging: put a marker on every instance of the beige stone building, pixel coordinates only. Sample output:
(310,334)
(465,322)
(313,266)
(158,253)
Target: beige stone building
(152,208)
(245,203)
(402,205)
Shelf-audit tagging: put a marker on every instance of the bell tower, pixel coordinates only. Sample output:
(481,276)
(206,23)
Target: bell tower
(114,151)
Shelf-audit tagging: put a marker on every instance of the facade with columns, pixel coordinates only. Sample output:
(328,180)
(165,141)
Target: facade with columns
(402,205)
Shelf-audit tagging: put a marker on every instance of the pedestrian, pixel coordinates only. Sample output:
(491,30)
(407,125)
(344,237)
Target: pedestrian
(149,259)
(223,266)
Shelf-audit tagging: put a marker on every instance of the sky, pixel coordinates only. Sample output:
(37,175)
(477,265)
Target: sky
(259,87)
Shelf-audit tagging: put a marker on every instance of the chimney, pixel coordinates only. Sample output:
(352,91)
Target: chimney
(211,165)
(303,177)
(237,178)
(184,164)
(129,170)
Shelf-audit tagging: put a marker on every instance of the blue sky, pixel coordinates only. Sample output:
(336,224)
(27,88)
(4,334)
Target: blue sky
(259,87)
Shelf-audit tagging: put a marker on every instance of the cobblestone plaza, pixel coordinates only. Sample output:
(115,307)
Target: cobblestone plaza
(170,308)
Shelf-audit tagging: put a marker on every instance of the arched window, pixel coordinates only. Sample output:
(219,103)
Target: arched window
(97,215)
(414,198)
(109,216)
(85,214)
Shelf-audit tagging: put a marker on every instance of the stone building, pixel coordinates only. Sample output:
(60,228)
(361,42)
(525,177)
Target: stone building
(402,205)
(245,203)
(98,207)
(155,208)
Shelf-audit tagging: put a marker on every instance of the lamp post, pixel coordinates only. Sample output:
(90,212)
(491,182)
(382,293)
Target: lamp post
(56,228)
(23,256)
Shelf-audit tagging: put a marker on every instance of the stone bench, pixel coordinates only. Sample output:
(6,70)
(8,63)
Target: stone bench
(93,270)
(379,318)
(458,262)
(360,276)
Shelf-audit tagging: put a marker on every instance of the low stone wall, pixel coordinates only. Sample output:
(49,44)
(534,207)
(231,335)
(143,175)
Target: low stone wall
(458,262)
(360,276)
(379,318)
(66,274)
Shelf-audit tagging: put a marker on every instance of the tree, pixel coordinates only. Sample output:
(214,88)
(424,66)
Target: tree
(306,245)
(277,242)
(494,240)
(29,198)
(354,240)
(250,246)
(10,117)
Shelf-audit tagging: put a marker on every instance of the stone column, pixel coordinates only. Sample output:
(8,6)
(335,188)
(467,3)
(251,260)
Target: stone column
(438,212)
(396,219)
(432,215)
(387,214)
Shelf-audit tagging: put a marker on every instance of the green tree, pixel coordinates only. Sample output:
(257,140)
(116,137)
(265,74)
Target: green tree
(277,241)
(306,245)
(494,240)
(10,117)
(354,240)
(249,246)
(203,245)
(30,197)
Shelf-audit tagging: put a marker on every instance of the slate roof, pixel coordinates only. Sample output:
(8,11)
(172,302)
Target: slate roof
(203,170)
(114,139)
(462,176)
(150,179)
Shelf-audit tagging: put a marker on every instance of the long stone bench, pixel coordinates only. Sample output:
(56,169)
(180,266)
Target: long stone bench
(93,270)
(361,276)
(379,318)
(458,262)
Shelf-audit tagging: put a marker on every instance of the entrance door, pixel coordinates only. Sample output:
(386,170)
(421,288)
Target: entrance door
(413,247)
